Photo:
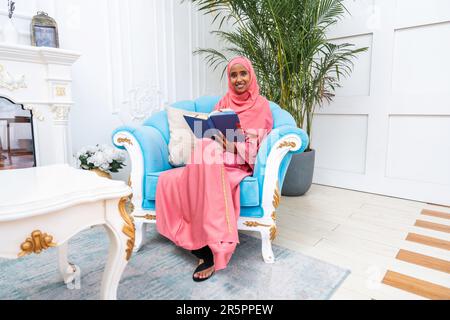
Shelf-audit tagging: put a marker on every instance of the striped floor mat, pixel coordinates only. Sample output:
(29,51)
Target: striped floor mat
(423,263)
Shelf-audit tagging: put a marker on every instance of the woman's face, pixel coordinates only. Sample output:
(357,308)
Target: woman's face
(240,78)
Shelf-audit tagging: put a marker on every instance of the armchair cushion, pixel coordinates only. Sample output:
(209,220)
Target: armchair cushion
(182,139)
(249,189)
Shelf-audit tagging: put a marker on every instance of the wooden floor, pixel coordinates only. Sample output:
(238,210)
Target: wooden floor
(395,248)
(16,161)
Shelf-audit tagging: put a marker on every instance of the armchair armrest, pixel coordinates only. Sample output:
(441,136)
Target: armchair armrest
(148,152)
(287,137)
(151,143)
(274,156)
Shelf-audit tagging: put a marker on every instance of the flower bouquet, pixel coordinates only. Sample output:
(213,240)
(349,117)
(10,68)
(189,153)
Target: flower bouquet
(101,158)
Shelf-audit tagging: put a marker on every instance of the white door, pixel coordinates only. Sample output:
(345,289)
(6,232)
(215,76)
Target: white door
(388,130)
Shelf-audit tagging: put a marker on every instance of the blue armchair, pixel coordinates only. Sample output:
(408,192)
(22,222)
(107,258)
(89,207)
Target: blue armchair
(147,146)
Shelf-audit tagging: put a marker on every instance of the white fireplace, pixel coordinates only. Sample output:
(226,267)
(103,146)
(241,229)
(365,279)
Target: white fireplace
(40,80)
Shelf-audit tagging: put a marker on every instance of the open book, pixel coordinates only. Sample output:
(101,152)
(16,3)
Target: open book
(223,120)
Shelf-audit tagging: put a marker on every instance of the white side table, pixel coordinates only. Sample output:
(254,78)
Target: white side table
(44,207)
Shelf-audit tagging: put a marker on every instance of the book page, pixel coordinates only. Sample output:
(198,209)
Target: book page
(199,116)
(222,111)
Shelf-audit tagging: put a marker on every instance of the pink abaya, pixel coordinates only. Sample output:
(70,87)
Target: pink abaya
(199,205)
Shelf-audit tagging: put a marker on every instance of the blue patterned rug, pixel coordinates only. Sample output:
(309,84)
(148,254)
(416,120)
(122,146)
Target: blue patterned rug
(161,271)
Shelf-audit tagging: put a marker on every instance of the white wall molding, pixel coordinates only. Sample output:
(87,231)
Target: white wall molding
(164,39)
(408,145)
(172,53)
(114,56)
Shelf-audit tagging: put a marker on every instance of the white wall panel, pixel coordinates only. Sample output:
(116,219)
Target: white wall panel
(183,54)
(407,107)
(420,12)
(365,15)
(143,57)
(421,62)
(419,149)
(341,142)
(359,83)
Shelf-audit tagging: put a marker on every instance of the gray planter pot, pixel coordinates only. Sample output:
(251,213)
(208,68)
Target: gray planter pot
(300,173)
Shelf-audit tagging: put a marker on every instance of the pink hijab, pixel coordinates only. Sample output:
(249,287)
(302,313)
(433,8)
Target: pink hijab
(252,108)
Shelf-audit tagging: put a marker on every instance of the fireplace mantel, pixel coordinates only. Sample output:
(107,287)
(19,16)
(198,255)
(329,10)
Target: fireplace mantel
(44,55)
(40,79)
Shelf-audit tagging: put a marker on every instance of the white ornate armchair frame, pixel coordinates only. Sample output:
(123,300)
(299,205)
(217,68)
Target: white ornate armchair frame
(265,225)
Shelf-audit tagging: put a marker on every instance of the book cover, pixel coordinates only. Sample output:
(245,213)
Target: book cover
(217,120)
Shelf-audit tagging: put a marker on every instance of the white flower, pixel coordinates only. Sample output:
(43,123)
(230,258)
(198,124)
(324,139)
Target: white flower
(82,152)
(109,155)
(98,159)
(103,147)
(100,156)
(119,155)
(91,149)
(104,167)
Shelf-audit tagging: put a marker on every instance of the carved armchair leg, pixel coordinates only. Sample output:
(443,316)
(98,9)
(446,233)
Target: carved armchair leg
(140,231)
(266,238)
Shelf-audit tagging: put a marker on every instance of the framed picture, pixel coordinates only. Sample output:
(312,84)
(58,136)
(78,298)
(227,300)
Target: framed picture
(45,36)
(44,31)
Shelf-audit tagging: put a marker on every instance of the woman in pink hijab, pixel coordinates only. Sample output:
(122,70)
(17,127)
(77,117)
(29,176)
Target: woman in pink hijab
(198,206)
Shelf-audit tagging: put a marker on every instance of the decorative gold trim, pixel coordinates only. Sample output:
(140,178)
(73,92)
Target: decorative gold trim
(273,228)
(150,217)
(36,244)
(131,205)
(276,196)
(101,173)
(147,217)
(226,198)
(254,224)
(287,144)
(131,195)
(60,91)
(125,141)
(129,228)
(273,232)
(276,204)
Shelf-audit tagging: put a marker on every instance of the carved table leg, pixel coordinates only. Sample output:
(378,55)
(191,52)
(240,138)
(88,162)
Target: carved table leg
(70,272)
(121,232)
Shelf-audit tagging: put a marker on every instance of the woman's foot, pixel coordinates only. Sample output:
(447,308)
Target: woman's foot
(205,268)
(201,273)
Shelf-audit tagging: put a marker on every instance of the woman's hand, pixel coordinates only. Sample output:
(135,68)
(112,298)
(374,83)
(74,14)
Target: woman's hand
(226,145)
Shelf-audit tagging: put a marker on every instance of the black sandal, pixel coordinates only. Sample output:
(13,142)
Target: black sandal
(207,256)
(202,267)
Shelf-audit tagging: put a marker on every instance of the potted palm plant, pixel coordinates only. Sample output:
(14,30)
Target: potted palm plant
(297,66)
